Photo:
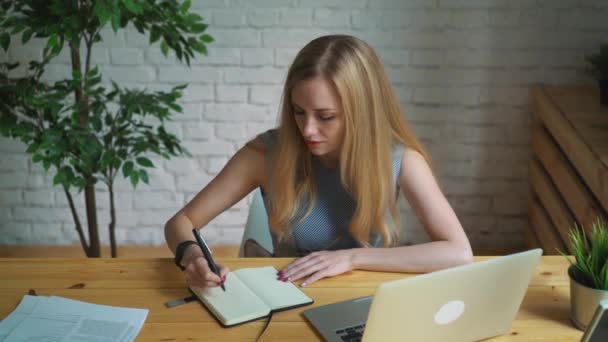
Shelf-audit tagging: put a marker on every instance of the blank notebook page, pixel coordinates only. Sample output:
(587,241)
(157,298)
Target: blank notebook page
(237,304)
(277,294)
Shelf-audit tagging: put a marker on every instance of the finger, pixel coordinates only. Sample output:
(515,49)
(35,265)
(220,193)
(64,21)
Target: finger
(212,284)
(200,265)
(195,274)
(203,269)
(296,271)
(223,271)
(210,276)
(205,285)
(296,264)
(316,276)
(306,271)
(194,281)
(200,283)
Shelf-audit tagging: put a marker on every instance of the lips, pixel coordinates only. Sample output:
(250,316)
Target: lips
(313,143)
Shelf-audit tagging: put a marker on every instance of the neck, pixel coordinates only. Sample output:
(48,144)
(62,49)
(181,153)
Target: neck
(330,162)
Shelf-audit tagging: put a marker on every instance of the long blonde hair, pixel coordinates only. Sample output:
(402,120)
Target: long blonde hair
(373,123)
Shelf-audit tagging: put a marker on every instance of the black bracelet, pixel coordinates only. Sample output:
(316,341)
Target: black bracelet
(179,252)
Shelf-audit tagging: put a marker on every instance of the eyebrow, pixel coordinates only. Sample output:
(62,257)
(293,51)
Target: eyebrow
(316,109)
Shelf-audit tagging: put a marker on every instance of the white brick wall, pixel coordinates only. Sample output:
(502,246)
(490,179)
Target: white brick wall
(461,68)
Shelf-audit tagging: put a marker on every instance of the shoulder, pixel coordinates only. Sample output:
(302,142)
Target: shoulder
(409,154)
(248,163)
(267,138)
(414,166)
(262,142)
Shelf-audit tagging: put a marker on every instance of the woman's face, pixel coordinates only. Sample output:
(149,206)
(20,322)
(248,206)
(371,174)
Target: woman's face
(317,111)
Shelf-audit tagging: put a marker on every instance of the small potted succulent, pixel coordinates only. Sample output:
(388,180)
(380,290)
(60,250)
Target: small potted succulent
(588,271)
(598,69)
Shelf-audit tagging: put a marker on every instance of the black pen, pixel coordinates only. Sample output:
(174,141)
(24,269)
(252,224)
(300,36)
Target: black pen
(207,253)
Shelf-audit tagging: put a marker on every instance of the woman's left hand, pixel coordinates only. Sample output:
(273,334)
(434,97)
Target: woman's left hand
(318,265)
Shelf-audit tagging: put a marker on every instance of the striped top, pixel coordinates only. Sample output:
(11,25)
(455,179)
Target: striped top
(326,226)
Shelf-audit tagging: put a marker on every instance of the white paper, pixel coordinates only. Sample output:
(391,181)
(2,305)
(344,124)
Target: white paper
(25,307)
(57,319)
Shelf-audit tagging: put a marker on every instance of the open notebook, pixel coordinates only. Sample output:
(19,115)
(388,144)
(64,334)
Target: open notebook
(251,293)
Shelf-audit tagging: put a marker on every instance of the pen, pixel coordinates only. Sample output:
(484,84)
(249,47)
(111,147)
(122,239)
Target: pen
(207,252)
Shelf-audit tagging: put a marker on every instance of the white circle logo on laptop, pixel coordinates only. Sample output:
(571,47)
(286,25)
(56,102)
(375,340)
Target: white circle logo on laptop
(449,312)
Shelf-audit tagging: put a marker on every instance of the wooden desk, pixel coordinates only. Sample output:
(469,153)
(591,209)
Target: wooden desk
(148,283)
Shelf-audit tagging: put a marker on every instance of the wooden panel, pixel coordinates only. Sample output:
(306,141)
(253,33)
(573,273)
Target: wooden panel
(530,238)
(548,237)
(582,108)
(574,105)
(552,201)
(572,189)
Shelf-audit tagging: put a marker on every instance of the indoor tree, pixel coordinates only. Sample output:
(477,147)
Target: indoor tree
(85,131)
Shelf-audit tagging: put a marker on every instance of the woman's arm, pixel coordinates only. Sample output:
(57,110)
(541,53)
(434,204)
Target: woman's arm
(244,172)
(449,247)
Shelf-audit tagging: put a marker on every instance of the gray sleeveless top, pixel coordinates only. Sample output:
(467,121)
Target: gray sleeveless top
(326,226)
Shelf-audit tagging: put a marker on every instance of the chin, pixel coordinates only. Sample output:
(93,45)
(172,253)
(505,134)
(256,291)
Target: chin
(317,152)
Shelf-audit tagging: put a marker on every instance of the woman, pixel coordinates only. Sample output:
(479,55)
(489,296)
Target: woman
(330,174)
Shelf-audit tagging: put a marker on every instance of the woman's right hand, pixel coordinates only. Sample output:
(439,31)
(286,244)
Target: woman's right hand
(197,272)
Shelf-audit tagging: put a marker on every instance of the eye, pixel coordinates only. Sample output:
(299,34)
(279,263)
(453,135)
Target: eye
(298,112)
(327,117)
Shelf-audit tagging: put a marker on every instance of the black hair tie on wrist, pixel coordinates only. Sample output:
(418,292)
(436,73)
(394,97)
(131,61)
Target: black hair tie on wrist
(179,252)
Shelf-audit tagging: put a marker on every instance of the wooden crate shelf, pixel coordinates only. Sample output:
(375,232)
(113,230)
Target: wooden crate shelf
(569,168)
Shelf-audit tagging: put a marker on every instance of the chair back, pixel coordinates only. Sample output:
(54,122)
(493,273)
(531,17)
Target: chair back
(257,227)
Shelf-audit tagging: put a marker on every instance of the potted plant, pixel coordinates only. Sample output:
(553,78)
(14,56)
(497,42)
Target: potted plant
(86,133)
(588,272)
(598,69)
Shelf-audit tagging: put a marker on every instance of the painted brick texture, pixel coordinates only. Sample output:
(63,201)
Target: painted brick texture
(461,68)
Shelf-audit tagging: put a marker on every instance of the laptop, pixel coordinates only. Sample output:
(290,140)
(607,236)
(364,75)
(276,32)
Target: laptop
(463,303)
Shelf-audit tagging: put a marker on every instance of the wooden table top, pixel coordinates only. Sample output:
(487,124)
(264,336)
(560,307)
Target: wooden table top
(149,283)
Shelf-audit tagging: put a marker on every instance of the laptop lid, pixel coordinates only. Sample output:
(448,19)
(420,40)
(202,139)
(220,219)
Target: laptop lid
(464,303)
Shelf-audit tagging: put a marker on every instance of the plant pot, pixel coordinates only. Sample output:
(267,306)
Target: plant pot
(583,301)
(604,91)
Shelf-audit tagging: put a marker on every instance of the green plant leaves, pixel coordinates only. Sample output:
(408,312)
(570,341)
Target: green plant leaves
(5,40)
(127,169)
(143,175)
(133,6)
(54,44)
(145,162)
(134,177)
(207,38)
(103,133)
(154,34)
(164,48)
(185,6)
(27,34)
(591,254)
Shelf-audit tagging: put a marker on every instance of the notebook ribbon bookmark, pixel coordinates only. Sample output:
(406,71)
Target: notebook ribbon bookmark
(180,301)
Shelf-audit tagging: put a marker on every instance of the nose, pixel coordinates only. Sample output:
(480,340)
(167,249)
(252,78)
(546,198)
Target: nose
(310,126)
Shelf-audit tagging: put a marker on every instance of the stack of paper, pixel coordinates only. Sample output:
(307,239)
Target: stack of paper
(57,319)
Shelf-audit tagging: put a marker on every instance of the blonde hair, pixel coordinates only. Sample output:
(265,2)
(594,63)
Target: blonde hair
(373,123)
